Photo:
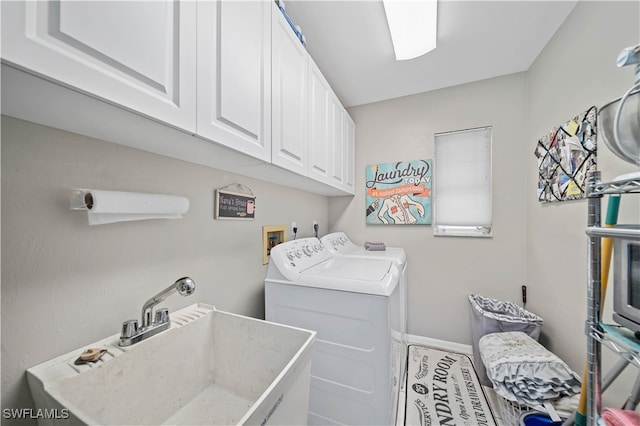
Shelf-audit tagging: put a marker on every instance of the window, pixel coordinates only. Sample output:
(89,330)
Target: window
(462,183)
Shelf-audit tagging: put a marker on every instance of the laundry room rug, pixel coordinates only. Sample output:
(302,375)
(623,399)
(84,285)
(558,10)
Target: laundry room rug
(443,389)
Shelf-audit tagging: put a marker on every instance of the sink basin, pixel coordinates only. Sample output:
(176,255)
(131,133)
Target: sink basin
(210,367)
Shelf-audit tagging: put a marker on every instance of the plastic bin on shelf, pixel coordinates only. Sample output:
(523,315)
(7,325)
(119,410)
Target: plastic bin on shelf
(494,316)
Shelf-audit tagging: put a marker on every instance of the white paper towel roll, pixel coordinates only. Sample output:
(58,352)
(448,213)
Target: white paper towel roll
(119,206)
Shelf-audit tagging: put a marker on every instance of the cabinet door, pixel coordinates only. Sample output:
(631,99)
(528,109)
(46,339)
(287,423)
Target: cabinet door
(234,75)
(337,143)
(289,97)
(137,54)
(350,153)
(319,125)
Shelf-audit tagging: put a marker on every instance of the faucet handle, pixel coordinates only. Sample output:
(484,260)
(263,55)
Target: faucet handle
(129,328)
(162,316)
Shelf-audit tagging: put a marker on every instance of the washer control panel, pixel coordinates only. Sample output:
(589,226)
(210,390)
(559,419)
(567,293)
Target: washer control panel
(338,242)
(293,257)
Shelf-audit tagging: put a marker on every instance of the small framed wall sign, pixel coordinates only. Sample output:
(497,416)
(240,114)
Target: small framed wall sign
(234,205)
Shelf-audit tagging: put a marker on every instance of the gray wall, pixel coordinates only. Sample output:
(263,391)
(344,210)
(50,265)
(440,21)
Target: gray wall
(66,284)
(576,70)
(442,271)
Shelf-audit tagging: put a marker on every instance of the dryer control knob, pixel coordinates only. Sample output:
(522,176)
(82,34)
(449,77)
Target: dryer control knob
(290,255)
(307,250)
(298,253)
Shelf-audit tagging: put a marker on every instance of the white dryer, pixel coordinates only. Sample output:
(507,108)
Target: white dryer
(339,244)
(354,305)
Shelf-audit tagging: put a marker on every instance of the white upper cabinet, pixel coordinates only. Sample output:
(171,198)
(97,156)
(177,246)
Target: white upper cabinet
(234,75)
(289,97)
(139,55)
(226,84)
(337,142)
(319,125)
(331,135)
(350,153)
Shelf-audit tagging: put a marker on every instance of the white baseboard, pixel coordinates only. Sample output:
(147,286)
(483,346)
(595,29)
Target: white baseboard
(439,344)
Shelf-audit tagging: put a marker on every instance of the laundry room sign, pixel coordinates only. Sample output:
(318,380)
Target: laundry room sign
(443,389)
(399,193)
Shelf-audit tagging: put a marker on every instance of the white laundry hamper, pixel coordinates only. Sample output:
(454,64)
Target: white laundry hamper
(494,316)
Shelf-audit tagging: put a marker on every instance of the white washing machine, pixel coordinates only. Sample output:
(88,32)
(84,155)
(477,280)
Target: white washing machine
(354,305)
(339,244)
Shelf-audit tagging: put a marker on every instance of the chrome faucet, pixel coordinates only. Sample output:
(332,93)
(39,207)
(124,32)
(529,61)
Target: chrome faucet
(150,326)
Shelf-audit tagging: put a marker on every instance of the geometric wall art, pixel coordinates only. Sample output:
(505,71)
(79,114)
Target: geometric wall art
(565,155)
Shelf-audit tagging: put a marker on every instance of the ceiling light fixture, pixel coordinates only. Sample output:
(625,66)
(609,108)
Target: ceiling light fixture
(413,26)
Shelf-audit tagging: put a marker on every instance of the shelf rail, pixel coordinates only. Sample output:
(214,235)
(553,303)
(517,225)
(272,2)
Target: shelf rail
(619,186)
(614,232)
(594,349)
(618,340)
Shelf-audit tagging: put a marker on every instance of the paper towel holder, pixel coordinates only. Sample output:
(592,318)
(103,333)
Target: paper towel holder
(81,200)
(88,200)
(103,206)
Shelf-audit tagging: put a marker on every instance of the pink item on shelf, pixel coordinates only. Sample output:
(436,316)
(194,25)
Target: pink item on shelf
(619,417)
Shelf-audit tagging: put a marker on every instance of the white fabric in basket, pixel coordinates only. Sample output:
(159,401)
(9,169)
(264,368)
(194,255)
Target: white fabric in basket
(524,371)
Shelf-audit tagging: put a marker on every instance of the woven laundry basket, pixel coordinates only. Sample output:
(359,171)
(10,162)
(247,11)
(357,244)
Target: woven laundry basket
(493,316)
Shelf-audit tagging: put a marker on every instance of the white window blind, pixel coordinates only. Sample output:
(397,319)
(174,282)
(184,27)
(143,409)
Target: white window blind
(462,183)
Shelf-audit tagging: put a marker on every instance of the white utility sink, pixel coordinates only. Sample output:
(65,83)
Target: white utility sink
(210,368)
